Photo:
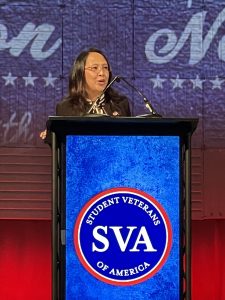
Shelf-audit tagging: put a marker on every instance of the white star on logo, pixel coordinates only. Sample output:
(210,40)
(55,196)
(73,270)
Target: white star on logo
(29,79)
(197,82)
(217,83)
(49,80)
(177,83)
(9,79)
(157,82)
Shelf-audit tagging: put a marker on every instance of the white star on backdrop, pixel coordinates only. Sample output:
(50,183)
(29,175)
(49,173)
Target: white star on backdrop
(49,80)
(177,83)
(217,83)
(29,79)
(157,82)
(197,82)
(9,79)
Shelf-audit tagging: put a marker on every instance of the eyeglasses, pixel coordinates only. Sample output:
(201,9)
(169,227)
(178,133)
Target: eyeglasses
(98,68)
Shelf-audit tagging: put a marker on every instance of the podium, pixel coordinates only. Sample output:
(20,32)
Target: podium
(121,203)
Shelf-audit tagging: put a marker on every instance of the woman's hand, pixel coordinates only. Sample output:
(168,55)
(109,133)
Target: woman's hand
(43,134)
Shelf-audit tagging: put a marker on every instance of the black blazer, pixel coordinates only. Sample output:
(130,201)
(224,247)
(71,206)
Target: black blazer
(114,107)
(118,107)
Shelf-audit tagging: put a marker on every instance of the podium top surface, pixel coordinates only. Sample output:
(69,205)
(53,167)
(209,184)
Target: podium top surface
(106,125)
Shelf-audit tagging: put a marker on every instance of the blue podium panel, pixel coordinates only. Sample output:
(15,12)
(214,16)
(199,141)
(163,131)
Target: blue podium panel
(122,218)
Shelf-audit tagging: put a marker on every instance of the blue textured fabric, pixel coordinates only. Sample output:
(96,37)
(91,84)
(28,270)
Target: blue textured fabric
(148,163)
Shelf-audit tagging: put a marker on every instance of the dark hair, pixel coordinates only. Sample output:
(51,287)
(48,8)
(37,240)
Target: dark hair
(77,77)
(77,94)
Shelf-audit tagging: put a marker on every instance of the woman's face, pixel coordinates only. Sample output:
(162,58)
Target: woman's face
(96,75)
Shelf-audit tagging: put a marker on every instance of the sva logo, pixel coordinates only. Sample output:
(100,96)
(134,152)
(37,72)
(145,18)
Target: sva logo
(122,236)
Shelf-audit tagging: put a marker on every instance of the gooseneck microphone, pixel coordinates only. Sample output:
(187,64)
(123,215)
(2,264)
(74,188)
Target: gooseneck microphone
(147,103)
(98,103)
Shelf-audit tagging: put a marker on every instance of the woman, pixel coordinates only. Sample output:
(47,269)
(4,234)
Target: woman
(88,79)
(89,76)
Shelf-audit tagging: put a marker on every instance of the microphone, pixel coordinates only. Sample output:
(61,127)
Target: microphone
(100,100)
(148,105)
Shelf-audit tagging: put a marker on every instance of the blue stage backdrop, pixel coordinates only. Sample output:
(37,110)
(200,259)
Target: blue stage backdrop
(122,217)
(172,50)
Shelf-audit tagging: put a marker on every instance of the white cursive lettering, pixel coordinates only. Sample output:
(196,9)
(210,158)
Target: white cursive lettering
(14,131)
(38,35)
(192,32)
